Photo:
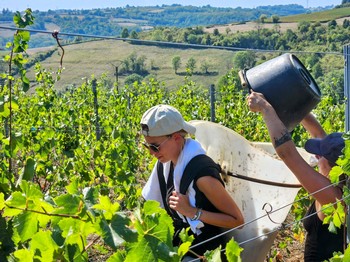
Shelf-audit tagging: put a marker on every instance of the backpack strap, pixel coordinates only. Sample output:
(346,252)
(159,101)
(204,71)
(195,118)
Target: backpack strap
(193,168)
(162,183)
(163,189)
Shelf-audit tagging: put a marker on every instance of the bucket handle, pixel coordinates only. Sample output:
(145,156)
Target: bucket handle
(244,80)
(305,75)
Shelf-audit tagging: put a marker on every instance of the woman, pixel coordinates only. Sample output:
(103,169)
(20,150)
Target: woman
(320,243)
(206,207)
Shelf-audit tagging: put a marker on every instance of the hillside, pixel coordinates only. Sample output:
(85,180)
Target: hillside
(287,22)
(249,26)
(111,21)
(82,60)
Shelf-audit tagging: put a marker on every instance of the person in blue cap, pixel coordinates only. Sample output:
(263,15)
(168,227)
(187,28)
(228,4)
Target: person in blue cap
(320,243)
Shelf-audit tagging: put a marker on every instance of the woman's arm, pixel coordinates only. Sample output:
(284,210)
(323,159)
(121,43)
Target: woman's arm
(311,125)
(229,216)
(310,179)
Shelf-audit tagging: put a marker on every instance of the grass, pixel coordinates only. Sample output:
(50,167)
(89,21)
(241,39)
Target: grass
(83,60)
(324,16)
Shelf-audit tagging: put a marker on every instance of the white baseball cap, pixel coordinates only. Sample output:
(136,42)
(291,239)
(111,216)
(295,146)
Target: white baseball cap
(162,120)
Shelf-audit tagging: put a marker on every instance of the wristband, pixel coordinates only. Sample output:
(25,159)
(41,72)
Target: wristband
(197,215)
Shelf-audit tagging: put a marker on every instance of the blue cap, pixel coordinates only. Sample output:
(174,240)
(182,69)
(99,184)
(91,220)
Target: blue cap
(330,147)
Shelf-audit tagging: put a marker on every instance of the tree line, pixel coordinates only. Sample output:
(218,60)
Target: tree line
(111,21)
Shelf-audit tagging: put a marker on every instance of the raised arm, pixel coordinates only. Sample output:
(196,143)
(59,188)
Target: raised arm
(310,179)
(311,125)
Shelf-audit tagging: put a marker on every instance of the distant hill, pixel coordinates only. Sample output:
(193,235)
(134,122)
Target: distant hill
(111,21)
(287,22)
(81,60)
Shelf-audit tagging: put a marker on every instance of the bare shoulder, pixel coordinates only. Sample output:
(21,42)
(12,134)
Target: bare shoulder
(208,182)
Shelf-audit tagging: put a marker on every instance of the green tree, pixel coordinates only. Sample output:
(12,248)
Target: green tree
(216,32)
(316,70)
(125,33)
(244,59)
(191,64)
(275,19)
(205,67)
(134,34)
(332,23)
(131,79)
(134,64)
(176,62)
(263,18)
(304,26)
(206,40)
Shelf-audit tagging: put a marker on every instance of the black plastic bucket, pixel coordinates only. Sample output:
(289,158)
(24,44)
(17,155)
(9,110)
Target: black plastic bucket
(287,86)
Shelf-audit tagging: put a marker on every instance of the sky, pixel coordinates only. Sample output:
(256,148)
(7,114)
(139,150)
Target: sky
(44,5)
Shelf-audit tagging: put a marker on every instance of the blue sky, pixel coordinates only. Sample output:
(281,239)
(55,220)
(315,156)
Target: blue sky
(20,5)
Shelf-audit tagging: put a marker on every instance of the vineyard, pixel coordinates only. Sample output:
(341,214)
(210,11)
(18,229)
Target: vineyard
(72,167)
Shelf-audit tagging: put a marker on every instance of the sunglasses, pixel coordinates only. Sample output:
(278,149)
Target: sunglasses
(155,148)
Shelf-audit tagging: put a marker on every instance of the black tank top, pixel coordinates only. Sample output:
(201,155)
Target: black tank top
(320,243)
(208,231)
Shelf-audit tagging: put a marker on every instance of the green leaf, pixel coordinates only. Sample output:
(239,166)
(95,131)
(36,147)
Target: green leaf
(335,173)
(26,224)
(155,230)
(73,187)
(24,21)
(24,255)
(347,254)
(118,256)
(109,235)
(121,224)
(184,248)
(70,227)
(185,237)
(346,195)
(233,251)
(332,228)
(7,245)
(4,109)
(108,208)
(149,249)
(156,222)
(29,169)
(17,199)
(25,35)
(2,200)
(118,231)
(43,242)
(213,255)
(31,191)
(68,204)
(339,215)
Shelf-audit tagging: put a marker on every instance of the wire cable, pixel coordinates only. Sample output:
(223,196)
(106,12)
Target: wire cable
(267,214)
(171,44)
(277,229)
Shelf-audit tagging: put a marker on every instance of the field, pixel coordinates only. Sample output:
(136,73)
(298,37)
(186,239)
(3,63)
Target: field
(290,22)
(80,61)
(325,16)
(83,60)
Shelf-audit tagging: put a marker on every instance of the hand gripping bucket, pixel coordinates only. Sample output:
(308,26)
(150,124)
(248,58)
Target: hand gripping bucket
(286,85)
